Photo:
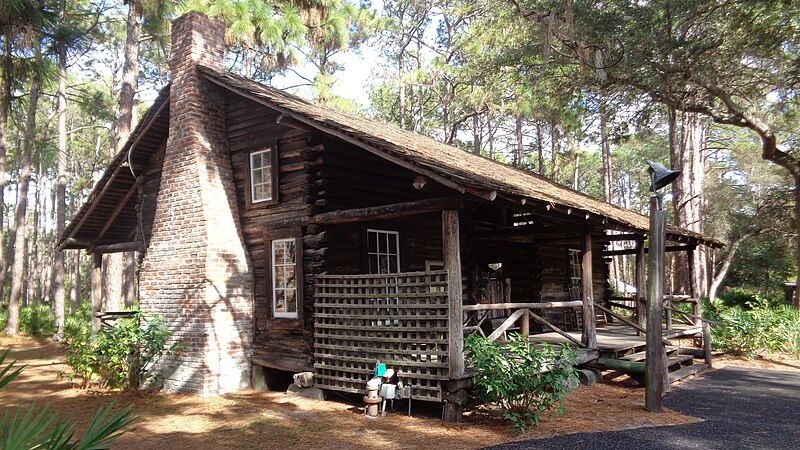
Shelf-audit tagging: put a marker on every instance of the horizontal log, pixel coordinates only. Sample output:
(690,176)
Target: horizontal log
(133,246)
(621,365)
(386,211)
(632,251)
(538,305)
(624,237)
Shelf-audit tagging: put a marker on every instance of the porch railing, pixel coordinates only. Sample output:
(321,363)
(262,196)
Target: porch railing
(519,318)
(397,319)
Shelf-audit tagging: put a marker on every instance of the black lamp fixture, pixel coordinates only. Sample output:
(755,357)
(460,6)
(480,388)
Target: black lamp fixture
(660,176)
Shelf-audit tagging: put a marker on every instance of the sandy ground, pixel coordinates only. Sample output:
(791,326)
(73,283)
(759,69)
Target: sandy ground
(766,362)
(277,420)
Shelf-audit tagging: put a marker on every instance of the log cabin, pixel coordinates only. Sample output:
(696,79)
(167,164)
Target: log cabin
(274,234)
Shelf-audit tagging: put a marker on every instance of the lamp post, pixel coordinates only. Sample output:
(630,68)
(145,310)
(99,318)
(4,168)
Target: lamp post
(656,361)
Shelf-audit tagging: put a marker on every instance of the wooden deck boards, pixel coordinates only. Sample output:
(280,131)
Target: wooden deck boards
(617,338)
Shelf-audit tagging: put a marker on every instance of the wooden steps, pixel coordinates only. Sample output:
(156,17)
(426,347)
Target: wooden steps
(686,372)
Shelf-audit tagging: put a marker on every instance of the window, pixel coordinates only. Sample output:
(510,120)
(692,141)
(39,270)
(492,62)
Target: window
(383,252)
(284,278)
(431,265)
(261,177)
(575,271)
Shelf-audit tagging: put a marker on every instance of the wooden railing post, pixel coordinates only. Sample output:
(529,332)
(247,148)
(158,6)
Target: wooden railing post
(97,289)
(451,249)
(707,343)
(694,289)
(525,324)
(640,276)
(589,334)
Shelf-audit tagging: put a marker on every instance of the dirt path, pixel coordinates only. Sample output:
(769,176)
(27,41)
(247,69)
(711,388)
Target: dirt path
(273,419)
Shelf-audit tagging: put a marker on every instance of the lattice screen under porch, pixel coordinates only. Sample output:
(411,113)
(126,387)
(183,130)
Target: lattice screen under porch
(397,319)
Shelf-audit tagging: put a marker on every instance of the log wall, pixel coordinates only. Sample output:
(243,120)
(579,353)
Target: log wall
(278,343)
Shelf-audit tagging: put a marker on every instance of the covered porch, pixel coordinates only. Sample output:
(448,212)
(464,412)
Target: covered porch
(416,322)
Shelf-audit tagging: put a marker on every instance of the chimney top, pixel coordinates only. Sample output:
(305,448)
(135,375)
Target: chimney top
(197,39)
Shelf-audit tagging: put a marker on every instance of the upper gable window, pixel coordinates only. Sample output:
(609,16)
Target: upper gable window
(261,176)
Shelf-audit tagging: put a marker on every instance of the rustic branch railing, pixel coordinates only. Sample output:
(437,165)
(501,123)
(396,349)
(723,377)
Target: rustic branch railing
(398,319)
(522,313)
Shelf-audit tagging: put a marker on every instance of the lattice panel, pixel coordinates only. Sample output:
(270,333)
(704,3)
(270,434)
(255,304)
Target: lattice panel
(398,319)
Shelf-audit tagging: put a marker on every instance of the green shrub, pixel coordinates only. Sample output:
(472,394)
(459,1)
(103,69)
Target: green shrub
(120,357)
(37,320)
(523,380)
(758,327)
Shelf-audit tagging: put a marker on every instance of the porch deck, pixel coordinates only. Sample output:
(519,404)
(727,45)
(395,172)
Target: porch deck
(617,340)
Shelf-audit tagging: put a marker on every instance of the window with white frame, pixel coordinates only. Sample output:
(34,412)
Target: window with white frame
(575,271)
(261,176)
(284,278)
(383,251)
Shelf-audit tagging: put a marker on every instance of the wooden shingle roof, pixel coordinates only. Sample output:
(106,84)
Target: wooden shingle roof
(446,164)
(463,169)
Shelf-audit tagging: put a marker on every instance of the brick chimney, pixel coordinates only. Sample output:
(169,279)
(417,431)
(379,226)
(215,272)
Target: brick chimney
(196,272)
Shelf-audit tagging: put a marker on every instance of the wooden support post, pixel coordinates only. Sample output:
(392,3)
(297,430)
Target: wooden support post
(451,249)
(655,362)
(97,289)
(668,314)
(525,324)
(589,334)
(693,287)
(640,276)
(707,343)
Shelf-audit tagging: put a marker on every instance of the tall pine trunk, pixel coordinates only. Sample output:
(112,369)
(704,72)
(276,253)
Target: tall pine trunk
(605,147)
(117,266)
(477,134)
(21,213)
(520,153)
(688,157)
(540,146)
(61,198)
(5,102)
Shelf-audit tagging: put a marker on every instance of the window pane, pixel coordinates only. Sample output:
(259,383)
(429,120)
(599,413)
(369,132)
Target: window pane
(382,240)
(393,243)
(281,279)
(373,263)
(372,242)
(280,301)
(261,175)
(291,300)
(384,264)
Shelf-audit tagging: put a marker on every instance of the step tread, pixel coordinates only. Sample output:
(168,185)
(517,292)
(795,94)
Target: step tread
(686,371)
(679,359)
(641,356)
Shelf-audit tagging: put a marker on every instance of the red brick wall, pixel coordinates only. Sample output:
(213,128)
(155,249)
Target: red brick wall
(196,272)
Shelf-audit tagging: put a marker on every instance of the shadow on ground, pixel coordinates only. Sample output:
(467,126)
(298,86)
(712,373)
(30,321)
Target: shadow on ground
(742,408)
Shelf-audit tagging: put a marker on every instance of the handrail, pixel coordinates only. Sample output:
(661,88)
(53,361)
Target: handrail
(620,317)
(692,316)
(537,305)
(523,313)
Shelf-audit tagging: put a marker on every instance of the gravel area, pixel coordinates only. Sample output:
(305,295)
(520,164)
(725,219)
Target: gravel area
(741,408)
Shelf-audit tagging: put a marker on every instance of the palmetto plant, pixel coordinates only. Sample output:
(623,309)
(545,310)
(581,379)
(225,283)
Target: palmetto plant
(27,429)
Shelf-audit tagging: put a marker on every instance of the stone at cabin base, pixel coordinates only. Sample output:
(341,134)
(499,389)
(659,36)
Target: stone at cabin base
(308,392)
(304,379)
